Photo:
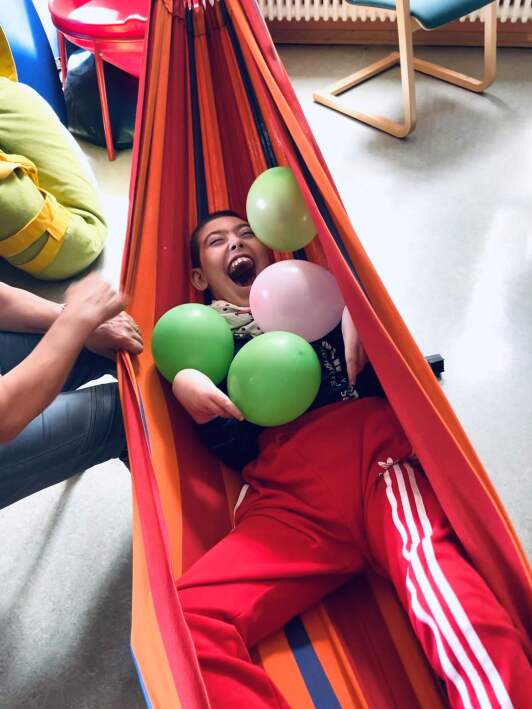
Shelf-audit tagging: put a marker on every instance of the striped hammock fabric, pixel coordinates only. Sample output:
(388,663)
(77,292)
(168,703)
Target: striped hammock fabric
(216,109)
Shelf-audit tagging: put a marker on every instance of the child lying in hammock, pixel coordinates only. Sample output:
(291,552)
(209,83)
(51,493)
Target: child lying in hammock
(325,497)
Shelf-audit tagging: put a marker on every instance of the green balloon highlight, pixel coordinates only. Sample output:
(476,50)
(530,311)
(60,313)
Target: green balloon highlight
(274,378)
(192,336)
(277,212)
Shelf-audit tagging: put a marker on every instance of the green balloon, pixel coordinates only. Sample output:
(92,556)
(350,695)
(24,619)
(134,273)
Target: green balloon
(192,336)
(277,212)
(274,378)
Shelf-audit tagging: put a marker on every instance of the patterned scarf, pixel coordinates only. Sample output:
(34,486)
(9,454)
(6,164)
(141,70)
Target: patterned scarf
(240,320)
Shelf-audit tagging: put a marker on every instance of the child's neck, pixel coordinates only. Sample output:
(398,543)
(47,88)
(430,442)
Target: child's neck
(239,319)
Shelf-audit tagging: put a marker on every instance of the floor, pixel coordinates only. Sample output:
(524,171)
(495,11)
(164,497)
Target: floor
(446,217)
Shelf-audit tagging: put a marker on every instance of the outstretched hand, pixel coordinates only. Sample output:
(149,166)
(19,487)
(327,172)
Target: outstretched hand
(201,398)
(355,355)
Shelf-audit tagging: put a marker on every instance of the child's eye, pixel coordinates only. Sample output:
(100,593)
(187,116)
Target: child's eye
(247,234)
(215,242)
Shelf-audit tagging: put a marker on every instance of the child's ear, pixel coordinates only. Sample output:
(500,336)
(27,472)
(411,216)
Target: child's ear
(198,279)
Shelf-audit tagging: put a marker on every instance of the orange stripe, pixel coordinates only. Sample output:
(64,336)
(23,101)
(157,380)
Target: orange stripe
(278,661)
(414,662)
(333,659)
(150,150)
(146,640)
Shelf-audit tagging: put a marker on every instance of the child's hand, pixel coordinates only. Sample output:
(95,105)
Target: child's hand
(201,398)
(355,356)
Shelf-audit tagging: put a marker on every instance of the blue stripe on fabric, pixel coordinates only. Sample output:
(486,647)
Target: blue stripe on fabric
(202,202)
(318,685)
(141,681)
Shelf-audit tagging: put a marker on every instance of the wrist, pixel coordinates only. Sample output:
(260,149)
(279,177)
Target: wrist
(77,322)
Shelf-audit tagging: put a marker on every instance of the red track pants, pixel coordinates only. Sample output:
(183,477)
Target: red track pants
(330,494)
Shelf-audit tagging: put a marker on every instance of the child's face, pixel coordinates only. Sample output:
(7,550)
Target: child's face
(231,258)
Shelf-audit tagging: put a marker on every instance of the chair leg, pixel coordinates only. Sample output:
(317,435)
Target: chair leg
(490,59)
(62,56)
(105,106)
(405,56)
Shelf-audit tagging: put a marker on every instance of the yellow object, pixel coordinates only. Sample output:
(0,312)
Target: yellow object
(7,63)
(52,224)
(51,218)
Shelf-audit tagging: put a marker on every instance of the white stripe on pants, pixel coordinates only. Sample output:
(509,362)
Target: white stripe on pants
(415,530)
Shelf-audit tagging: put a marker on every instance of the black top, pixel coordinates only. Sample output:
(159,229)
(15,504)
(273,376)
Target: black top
(236,442)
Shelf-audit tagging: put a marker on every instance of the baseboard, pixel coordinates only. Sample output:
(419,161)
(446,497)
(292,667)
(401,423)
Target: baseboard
(509,34)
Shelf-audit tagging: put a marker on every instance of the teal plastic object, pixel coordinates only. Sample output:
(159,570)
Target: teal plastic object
(32,52)
(431,13)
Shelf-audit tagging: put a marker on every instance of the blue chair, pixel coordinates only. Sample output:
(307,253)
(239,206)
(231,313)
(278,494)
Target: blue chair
(411,16)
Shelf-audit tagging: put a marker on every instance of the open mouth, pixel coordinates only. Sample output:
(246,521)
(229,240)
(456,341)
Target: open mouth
(241,270)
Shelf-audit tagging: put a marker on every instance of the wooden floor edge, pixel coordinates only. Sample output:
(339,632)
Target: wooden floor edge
(509,34)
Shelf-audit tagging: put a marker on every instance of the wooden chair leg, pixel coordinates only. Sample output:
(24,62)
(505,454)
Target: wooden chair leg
(105,106)
(490,59)
(62,56)
(405,57)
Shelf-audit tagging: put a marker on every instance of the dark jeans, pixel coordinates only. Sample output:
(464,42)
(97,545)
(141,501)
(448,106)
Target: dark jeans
(80,428)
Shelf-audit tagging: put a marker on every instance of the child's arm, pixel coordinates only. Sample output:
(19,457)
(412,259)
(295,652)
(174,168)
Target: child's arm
(355,356)
(201,398)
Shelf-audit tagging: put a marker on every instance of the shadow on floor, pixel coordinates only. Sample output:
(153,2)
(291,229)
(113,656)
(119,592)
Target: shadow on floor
(97,672)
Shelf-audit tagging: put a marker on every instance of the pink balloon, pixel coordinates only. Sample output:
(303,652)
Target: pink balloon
(296,296)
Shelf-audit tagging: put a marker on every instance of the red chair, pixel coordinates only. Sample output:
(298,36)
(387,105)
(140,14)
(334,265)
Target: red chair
(113,30)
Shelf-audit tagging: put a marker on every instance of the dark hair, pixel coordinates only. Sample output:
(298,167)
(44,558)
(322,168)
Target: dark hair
(194,237)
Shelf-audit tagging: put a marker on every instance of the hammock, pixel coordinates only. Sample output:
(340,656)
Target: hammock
(216,109)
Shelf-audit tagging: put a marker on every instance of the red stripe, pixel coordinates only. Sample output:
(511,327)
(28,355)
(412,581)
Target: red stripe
(205,513)
(174,631)
(174,229)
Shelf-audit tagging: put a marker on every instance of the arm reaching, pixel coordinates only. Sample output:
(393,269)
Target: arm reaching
(201,398)
(21,311)
(31,386)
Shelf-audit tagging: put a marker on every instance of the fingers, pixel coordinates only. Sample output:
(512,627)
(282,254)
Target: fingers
(112,303)
(131,341)
(126,333)
(231,410)
(223,406)
(132,345)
